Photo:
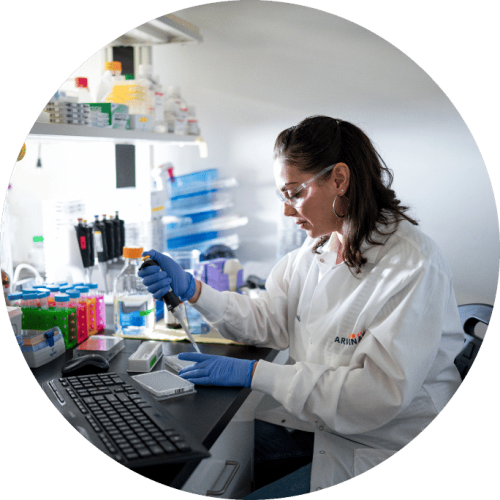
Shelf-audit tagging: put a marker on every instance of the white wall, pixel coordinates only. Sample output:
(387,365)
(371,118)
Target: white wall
(262,67)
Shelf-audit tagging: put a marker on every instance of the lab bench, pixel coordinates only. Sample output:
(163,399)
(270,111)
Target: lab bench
(221,418)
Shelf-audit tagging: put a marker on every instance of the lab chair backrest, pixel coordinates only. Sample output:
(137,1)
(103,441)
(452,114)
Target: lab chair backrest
(470,316)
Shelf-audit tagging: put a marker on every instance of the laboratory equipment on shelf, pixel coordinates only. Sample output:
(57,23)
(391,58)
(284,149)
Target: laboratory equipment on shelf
(157,110)
(134,306)
(68,113)
(112,74)
(176,112)
(172,303)
(84,94)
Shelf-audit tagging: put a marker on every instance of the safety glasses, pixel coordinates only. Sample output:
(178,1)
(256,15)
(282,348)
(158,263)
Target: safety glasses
(290,196)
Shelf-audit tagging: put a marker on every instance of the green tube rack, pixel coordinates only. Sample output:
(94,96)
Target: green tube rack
(44,319)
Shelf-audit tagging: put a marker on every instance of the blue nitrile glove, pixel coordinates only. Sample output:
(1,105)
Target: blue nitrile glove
(217,370)
(159,280)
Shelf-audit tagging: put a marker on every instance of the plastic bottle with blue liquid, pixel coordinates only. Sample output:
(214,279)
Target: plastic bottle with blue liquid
(134,306)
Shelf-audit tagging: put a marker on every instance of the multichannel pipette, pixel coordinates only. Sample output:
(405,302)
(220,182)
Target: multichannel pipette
(172,303)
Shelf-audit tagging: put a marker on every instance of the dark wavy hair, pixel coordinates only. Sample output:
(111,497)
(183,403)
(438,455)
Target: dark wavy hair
(320,141)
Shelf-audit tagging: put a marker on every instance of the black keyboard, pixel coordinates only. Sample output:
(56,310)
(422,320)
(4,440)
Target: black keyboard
(120,422)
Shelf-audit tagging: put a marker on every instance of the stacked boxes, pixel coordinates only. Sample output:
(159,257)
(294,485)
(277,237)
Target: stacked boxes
(68,113)
(118,115)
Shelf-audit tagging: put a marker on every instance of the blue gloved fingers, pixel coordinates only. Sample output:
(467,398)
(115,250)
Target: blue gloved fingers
(200,374)
(200,381)
(148,271)
(183,283)
(194,356)
(217,370)
(155,278)
(193,372)
(160,288)
(159,285)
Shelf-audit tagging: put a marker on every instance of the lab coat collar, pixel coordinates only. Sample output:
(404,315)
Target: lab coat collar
(369,250)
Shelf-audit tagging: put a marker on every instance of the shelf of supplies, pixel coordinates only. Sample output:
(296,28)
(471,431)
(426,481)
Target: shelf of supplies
(164,29)
(56,132)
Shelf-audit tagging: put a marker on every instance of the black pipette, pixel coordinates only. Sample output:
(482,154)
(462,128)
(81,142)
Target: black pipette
(171,302)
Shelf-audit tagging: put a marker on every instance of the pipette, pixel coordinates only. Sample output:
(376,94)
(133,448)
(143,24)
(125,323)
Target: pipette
(172,303)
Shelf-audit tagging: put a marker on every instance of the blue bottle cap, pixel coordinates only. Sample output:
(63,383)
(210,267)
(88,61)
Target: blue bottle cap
(74,294)
(94,286)
(65,287)
(53,288)
(82,289)
(15,296)
(42,295)
(61,297)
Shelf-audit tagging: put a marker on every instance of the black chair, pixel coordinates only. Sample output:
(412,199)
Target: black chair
(471,315)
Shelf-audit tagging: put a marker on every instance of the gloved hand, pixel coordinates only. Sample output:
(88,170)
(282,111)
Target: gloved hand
(169,274)
(217,370)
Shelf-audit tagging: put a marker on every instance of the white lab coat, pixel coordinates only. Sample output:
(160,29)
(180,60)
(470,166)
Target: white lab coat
(373,354)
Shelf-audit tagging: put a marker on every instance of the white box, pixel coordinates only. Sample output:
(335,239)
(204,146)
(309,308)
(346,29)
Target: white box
(141,122)
(145,358)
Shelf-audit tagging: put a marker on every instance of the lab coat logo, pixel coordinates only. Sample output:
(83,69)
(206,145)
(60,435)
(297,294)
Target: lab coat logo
(354,338)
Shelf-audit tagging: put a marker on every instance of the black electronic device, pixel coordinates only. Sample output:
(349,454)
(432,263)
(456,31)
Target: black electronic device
(120,421)
(110,238)
(120,232)
(101,244)
(85,365)
(84,236)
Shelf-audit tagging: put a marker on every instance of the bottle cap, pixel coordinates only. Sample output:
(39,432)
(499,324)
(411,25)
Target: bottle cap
(81,82)
(82,289)
(15,296)
(53,288)
(113,65)
(74,294)
(42,295)
(93,286)
(132,252)
(62,297)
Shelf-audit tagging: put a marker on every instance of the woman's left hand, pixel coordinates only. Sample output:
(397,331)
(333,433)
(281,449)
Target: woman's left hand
(217,370)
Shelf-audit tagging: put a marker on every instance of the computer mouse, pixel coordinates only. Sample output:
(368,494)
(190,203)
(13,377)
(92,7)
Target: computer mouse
(85,365)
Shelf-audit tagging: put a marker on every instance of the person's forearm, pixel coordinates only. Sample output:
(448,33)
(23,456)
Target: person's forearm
(196,295)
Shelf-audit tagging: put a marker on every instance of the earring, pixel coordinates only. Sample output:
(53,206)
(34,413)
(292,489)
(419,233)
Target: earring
(334,211)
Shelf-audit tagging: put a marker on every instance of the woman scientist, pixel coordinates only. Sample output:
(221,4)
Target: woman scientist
(366,307)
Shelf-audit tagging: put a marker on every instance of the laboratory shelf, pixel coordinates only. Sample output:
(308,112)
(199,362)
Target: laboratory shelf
(57,132)
(164,29)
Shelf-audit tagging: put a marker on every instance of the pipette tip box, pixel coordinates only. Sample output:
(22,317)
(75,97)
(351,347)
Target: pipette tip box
(108,347)
(164,385)
(175,363)
(145,358)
